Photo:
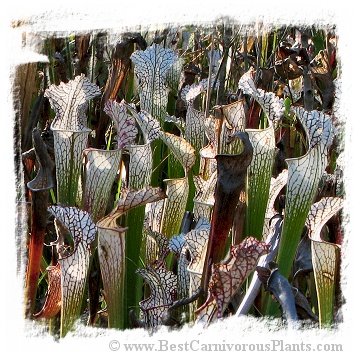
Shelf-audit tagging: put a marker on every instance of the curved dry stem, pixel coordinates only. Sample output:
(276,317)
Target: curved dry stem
(44,179)
(231,174)
(281,289)
(39,188)
(273,241)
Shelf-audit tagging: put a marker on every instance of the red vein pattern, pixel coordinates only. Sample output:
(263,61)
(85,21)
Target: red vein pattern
(226,279)
(163,288)
(125,123)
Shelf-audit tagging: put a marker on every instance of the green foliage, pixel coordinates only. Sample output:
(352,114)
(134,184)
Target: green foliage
(171,110)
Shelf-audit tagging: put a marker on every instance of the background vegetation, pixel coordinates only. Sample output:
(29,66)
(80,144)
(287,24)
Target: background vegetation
(284,79)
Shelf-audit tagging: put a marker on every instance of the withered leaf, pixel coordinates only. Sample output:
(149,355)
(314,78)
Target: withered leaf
(130,199)
(279,286)
(53,301)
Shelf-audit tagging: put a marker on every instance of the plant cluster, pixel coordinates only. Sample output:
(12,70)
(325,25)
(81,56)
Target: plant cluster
(184,176)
